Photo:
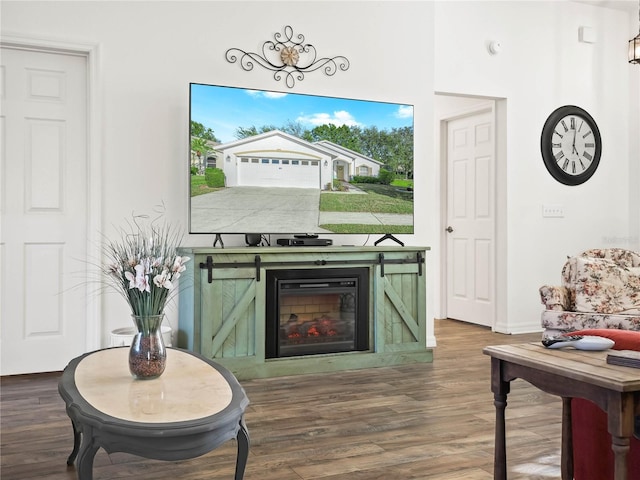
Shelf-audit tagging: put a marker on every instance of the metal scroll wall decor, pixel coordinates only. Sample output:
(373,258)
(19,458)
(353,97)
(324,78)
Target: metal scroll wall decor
(287,58)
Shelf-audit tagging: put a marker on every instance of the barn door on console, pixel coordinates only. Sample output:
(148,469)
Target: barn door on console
(230,304)
(401,303)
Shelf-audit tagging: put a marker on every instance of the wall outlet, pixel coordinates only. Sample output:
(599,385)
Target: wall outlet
(556,211)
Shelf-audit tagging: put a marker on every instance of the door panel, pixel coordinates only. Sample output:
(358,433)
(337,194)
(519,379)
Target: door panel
(43,295)
(470,214)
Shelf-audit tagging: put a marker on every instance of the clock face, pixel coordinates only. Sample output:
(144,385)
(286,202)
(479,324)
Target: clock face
(571,145)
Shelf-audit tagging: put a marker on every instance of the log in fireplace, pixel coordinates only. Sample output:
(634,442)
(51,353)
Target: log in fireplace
(316,311)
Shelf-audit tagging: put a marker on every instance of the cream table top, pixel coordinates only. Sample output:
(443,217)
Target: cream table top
(187,390)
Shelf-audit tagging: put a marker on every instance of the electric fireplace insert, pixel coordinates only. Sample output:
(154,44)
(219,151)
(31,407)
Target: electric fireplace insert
(316,311)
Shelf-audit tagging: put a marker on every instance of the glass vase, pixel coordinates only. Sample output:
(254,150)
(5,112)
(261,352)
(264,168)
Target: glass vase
(147,355)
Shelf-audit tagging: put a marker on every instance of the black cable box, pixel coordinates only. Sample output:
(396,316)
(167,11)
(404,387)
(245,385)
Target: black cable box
(305,242)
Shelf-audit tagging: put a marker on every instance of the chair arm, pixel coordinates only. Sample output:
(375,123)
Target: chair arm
(555,297)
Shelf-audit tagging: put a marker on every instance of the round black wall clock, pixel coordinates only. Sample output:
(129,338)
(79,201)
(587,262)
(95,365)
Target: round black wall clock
(571,145)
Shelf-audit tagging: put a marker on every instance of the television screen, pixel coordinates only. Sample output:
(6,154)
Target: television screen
(288,163)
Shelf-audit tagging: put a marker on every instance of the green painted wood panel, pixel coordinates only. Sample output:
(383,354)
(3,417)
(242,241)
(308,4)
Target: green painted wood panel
(229,317)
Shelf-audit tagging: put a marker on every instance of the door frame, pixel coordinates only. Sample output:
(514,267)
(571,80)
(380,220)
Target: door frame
(94,164)
(497,107)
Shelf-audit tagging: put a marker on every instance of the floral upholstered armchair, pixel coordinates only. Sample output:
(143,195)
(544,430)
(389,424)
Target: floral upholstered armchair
(600,289)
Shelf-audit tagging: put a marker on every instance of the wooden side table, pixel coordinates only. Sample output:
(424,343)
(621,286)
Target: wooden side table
(194,407)
(567,373)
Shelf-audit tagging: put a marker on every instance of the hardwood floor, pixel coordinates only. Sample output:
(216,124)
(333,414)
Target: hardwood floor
(425,421)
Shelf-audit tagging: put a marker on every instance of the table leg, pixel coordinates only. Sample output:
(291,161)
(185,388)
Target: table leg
(620,418)
(636,423)
(243,450)
(76,444)
(500,390)
(566,455)
(620,446)
(88,449)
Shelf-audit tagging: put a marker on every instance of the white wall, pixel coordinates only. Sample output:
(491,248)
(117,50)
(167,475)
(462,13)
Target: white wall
(400,51)
(542,66)
(150,51)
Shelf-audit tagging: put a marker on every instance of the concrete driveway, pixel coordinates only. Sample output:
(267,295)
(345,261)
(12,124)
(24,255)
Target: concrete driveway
(274,210)
(257,210)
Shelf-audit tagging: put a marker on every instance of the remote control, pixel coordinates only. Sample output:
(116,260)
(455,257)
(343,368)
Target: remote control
(579,342)
(559,342)
(306,235)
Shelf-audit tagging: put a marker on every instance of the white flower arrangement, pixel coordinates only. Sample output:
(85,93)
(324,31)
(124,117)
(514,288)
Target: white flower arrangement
(144,266)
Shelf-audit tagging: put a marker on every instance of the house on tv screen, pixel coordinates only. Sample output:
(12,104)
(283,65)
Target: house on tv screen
(277,159)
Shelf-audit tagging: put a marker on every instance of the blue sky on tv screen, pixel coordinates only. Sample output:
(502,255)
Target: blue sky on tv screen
(224,109)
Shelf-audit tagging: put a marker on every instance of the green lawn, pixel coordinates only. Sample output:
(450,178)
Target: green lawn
(366,228)
(379,199)
(199,186)
(402,183)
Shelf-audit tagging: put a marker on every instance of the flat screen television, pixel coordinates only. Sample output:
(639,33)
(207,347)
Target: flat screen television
(288,163)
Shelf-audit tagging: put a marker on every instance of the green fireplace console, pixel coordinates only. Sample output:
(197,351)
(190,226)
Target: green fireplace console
(226,301)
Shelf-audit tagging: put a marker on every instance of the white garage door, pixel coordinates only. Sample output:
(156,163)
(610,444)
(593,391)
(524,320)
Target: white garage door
(275,172)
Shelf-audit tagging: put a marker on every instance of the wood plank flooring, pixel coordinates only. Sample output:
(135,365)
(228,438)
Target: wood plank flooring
(425,421)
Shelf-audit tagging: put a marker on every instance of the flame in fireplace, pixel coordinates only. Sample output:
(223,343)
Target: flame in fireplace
(320,327)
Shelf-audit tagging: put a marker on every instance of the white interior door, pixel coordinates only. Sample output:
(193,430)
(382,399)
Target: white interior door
(43,232)
(470,241)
